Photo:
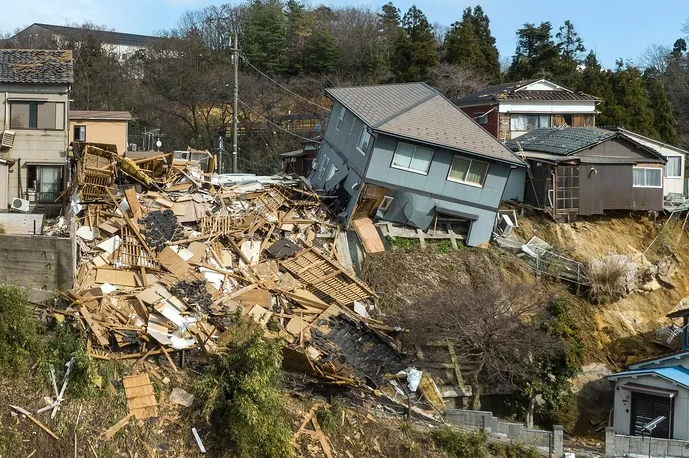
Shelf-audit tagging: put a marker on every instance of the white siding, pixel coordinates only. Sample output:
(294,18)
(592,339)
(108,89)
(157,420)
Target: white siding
(547,106)
(623,406)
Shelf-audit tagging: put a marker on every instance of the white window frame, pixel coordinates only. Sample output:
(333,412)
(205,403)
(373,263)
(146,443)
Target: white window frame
(482,119)
(680,167)
(321,172)
(385,204)
(409,169)
(364,131)
(340,119)
(660,172)
(471,161)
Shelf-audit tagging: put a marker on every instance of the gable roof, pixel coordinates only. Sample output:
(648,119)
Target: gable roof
(105,36)
(675,374)
(678,355)
(417,112)
(566,141)
(101,115)
(36,66)
(658,145)
(518,90)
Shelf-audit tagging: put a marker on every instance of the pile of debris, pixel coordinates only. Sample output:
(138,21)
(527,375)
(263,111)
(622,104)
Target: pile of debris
(173,255)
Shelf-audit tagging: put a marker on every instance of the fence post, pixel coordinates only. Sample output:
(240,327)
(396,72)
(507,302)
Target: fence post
(558,441)
(551,445)
(610,449)
(483,423)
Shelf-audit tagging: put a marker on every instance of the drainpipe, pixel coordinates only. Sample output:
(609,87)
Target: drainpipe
(6,122)
(19,177)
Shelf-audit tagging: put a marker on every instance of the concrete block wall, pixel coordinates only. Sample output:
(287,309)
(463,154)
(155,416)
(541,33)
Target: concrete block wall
(518,432)
(636,446)
(37,261)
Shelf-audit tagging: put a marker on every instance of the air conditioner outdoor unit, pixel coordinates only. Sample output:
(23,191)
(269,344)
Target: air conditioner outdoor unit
(21,205)
(7,139)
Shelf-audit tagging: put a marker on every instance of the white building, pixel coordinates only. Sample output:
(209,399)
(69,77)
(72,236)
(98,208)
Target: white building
(34,102)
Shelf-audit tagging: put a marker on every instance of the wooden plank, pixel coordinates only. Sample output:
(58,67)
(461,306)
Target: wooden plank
(140,396)
(368,235)
(107,435)
(36,421)
(169,360)
(130,194)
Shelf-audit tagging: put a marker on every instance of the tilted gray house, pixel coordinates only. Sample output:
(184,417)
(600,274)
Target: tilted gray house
(404,153)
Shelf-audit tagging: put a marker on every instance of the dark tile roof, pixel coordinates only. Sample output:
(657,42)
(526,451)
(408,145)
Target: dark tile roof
(509,91)
(417,112)
(561,141)
(105,36)
(36,66)
(101,115)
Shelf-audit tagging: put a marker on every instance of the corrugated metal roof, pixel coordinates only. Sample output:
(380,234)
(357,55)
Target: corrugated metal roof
(676,374)
(417,112)
(562,141)
(36,66)
(102,115)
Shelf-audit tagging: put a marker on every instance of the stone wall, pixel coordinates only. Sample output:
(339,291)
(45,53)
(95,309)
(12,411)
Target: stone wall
(37,261)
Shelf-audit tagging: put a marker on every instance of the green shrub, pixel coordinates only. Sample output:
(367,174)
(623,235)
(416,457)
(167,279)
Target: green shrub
(330,418)
(459,444)
(513,450)
(18,336)
(241,399)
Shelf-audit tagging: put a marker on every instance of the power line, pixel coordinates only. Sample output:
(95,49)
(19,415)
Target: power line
(283,87)
(271,122)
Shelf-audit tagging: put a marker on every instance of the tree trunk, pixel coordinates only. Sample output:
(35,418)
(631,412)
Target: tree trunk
(475,393)
(530,411)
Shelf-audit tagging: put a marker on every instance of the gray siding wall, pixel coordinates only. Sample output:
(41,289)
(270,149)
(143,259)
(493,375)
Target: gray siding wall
(516,183)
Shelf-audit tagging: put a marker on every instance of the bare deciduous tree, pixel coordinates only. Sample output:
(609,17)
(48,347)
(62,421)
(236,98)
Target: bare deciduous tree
(494,328)
(456,81)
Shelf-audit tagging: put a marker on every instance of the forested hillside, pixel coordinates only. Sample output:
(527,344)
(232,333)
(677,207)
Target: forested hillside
(290,52)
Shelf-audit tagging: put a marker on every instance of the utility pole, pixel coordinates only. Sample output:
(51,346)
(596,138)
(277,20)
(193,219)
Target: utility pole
(235,97)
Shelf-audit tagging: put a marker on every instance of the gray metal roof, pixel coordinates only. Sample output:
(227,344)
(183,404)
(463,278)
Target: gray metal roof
(562,141)
(417,112)
(36,66)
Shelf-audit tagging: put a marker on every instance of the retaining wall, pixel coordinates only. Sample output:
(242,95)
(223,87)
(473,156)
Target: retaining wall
(638,447)
(37,261)
(518,432)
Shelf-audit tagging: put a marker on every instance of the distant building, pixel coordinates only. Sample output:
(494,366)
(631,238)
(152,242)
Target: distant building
(34,100)
(512,109)
(404,153)
(123,45)
(300,162)
(111,127)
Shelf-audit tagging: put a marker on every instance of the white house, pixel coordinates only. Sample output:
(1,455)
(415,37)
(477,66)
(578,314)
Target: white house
(512,109)
(673,179)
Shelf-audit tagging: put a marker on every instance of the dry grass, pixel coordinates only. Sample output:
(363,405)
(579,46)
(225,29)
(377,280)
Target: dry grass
(608,277)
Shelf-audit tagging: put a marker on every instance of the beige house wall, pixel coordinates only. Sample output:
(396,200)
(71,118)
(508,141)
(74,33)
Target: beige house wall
(113,132)
(38,146)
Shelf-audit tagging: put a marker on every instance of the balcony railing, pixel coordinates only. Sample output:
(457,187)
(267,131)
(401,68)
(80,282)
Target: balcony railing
(42,197)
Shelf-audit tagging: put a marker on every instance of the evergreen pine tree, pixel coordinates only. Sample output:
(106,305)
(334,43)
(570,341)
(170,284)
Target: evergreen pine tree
(663,120)
(536,55)
(263,36)
(571,48)
(491,57)
(630,107)
(415,48)
(320,52)
(297,28)
(469,42)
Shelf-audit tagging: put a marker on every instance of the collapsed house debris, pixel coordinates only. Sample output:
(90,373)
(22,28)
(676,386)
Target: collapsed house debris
(171,254)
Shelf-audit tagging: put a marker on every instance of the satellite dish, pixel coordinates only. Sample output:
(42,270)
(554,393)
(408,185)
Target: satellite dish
(159,143)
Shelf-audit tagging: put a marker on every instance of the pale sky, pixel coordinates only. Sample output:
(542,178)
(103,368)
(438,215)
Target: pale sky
(614,28)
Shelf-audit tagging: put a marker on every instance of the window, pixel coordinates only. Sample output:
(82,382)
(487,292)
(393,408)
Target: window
(364,140)
(79,133)
(37,115)
(527,122)
(483,119)
(321,171)
(412,158)
(385,204)
(468,171)
(340,119)
(44,183)
(673,168)
(646,177)
(331,172)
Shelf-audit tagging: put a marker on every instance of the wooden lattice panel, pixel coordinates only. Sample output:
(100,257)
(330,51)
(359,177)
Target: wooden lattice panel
(131,253)
(326,278)
(270,202)
(220,225)
(141,398)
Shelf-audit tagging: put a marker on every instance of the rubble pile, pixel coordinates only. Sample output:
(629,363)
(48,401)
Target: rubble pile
(170,257)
